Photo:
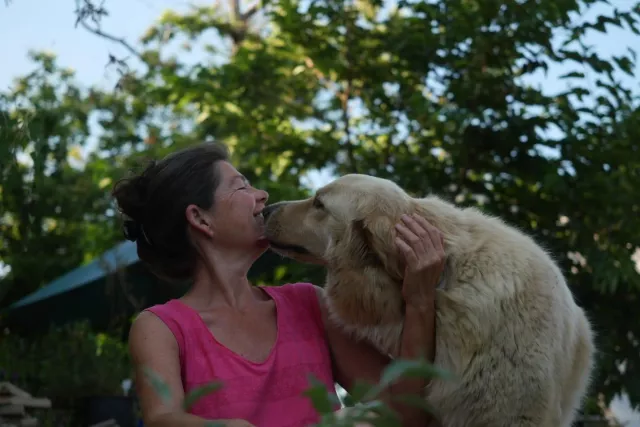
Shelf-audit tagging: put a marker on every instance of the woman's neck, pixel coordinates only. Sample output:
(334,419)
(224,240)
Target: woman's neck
(220,277)
(221,281)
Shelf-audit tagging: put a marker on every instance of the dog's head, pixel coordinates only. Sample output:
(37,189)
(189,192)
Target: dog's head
(349,220)
(349,226)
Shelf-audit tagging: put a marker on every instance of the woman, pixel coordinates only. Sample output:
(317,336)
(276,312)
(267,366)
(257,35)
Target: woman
(195,218)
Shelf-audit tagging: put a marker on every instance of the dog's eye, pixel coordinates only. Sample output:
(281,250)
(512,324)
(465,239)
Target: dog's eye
(317,203)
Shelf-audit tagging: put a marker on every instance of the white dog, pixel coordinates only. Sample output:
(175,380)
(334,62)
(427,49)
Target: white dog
(508,327)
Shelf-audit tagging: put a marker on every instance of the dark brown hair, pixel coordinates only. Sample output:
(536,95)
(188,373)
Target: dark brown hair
(154,202)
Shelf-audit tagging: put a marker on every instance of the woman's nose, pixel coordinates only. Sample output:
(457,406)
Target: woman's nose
(262,196)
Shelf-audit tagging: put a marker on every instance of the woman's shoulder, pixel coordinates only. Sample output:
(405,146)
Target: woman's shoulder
(303,300)
(302,290)
(161,323)
(159,318)
(171,307)
(149,329)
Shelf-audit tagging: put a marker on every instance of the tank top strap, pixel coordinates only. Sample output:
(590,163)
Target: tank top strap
(299,304)
(178,318)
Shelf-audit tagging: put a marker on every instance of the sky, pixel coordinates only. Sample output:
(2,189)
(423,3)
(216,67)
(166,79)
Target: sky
(49,25)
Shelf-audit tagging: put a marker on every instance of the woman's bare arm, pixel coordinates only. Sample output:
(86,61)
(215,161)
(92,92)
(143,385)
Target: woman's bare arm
(359,361)
(418,342)
(153,346)
(423,248)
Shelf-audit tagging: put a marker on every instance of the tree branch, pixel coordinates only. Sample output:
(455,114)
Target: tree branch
(253,9)
(240,22)
(86,9)
(122,42)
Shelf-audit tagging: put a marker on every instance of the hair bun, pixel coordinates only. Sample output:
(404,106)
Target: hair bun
(131,230)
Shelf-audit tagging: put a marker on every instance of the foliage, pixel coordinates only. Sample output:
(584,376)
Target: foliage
(433,95)
(364,403)
(66,364)
(190,398)
(54,214)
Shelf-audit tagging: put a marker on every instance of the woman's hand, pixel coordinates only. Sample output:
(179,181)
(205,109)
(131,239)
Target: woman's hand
(423,248)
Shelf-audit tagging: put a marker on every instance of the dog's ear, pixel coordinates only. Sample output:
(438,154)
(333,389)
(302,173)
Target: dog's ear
(374,243)
(362,244)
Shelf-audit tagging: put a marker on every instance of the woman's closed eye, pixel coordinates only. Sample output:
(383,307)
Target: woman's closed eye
(243,186)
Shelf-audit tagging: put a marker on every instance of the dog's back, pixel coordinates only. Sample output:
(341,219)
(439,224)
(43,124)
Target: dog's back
(509,329)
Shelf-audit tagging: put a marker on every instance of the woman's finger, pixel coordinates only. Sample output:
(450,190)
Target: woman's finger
(422,244)
(408,236)
(425,232)
(434,235)
(409,255)
(414,226)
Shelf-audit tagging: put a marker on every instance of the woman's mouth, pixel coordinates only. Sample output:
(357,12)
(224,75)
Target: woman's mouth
(259,219)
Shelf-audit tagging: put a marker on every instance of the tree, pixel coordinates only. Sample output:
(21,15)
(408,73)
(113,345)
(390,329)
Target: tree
(432,95)
(55,213)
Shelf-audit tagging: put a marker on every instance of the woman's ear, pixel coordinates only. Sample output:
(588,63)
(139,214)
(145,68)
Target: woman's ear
(199,220)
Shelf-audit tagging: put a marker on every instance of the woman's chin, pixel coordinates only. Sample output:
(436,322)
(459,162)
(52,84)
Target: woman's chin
(262,243)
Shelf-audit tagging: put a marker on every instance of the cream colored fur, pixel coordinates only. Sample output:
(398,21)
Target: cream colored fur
(507,325)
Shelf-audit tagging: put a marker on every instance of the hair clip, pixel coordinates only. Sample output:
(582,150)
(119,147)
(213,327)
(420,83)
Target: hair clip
(131,230)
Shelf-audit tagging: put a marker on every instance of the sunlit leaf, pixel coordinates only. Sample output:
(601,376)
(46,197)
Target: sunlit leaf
(199,392)
(159,385)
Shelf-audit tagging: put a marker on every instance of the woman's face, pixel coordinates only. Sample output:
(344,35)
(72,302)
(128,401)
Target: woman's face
(236,217)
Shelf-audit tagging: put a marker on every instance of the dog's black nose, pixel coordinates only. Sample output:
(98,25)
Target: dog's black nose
(268,210)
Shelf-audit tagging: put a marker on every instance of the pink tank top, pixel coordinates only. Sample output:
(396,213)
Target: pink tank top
(267,394)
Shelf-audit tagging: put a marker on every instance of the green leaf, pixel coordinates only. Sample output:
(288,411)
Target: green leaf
(199,392)
(384,416)
(412,368)
(359,390)
(323,401)
(572,75)
(415,401)
(625,64)
(158,384)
